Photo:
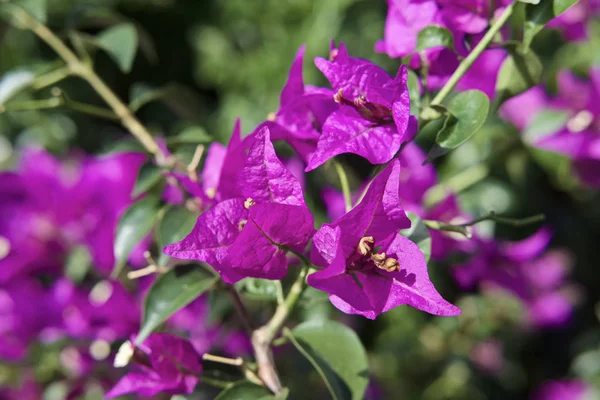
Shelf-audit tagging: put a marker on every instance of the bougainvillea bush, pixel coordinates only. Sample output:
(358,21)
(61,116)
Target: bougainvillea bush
(421,220)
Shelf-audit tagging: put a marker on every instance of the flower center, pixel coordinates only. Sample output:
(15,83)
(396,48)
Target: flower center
(364,257)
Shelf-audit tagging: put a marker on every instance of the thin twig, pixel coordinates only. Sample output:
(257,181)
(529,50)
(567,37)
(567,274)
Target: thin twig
(79,68)
(240,308)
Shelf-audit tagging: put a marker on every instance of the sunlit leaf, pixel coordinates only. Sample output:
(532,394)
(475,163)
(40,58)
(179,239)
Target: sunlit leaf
(134,225)
(434,36)
(174,225)
(120,42)
(171,292)
(12,82)
(337,354)
(467,111)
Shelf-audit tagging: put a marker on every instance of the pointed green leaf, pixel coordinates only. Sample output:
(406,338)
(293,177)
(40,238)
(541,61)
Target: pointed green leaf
(434,36)
(174,225)
(148,176)
(539,14)
(179,98)
(414,90)
(136,223)
(171,292)
(120,42)
(12,82)
(418,234)
(518,73)
(467,111)
(336,353)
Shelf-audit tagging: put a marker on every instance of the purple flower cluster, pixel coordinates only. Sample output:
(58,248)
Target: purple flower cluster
(365,265)
(579,136)
(527,270)
(49,209)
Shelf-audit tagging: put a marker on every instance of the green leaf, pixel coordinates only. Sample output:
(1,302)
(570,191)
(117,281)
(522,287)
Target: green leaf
(538,15)
(38,9)
(434,36)
(257,289)
(171,292)
(414,91)
(78,264)
(544,123)
(148,176)
(245,390)
(418,234)
(136,223)
(190,135)
(337,354)
(181,99)
(120,42)
(518,73)
(175,224)
(12,82)
(467,112)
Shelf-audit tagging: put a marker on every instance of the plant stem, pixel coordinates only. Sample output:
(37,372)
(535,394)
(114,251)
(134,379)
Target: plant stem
(237,362)
(240,308)
(462,228)
(81,69)
(263,337)
(473,55)
(344,183)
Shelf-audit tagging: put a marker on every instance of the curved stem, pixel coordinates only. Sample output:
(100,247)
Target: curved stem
(473,55)
(263,337)
(344,183)
(83,70)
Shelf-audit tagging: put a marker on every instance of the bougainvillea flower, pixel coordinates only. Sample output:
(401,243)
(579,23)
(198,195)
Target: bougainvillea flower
(527,270)
(302,111)
(363,281)
(564,389)
(163,364)
(264,178)
(260,249)
(373,119)
(573,22)
(211,237)
(227,234)
(48,207)
(579,137)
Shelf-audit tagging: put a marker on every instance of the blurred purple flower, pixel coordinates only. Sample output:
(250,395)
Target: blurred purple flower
(564,389)
(536,276)
(163,364)
(363,281)
(48,207)
(573,22)
(579,138)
